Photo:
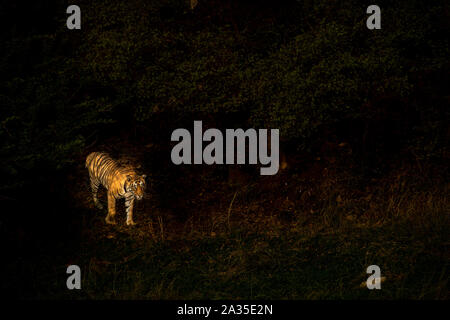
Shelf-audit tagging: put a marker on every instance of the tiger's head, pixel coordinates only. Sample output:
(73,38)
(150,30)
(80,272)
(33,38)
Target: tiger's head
(136,185)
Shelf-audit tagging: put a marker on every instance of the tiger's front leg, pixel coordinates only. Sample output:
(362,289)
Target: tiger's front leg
(129,204)
(110,218)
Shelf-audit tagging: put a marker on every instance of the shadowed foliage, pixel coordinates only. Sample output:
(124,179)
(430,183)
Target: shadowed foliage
(363,118)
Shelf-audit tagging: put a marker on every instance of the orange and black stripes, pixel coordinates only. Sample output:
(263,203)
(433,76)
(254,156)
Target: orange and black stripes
(120,181)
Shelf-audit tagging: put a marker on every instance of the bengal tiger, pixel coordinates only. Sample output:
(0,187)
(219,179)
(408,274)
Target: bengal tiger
(120,182)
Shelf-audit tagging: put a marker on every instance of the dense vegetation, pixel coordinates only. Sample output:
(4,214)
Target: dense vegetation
(377,101)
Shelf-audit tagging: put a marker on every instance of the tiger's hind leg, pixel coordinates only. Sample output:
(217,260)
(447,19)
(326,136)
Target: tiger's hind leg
(94,186)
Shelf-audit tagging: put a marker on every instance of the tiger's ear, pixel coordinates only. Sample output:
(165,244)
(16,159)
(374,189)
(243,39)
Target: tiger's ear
(144,176)
(129,178)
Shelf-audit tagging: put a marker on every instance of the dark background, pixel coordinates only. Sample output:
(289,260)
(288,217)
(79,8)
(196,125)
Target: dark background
(363,118)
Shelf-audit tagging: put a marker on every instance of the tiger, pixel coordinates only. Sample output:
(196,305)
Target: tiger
(120,182)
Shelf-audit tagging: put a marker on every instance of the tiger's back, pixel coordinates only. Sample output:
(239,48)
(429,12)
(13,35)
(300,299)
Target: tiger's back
(108,172)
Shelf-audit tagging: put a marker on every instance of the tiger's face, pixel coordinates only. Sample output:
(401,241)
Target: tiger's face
(136,185)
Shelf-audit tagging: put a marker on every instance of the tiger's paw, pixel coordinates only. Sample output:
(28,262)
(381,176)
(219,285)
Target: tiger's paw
(110,220)
(130,223)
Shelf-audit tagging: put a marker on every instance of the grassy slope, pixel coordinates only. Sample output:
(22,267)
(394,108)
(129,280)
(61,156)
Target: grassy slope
(265,246)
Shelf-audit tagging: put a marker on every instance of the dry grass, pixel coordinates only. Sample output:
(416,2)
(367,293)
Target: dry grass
(283,239)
